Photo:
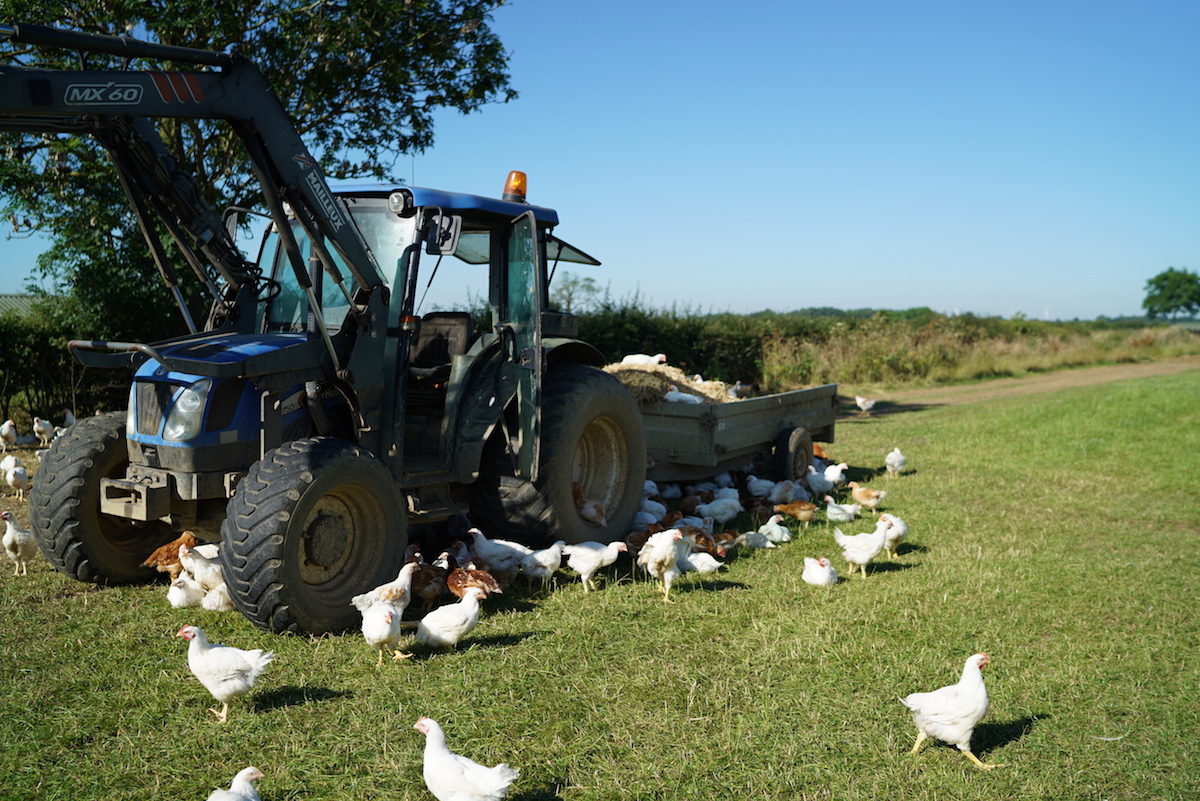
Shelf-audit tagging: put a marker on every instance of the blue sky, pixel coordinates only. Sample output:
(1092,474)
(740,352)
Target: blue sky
(996,158)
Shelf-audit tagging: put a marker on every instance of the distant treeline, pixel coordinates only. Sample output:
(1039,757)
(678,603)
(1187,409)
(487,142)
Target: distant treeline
(785,350)
(774,350)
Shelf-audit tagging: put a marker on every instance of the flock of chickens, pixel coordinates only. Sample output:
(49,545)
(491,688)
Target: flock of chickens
(678,530)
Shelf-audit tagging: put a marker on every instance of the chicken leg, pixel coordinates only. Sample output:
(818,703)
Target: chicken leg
(982,765)
(921,740)
(223,714)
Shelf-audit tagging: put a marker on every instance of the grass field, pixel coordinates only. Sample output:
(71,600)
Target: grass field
(1056,532)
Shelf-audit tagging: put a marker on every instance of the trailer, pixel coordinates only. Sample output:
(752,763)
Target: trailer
(688,442)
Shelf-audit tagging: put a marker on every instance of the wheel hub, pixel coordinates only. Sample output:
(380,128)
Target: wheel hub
(327,541)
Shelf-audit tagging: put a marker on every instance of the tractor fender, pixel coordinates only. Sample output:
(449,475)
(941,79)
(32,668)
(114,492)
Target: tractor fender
(486,398)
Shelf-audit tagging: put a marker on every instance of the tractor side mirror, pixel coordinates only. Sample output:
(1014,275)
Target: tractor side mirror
(444,231)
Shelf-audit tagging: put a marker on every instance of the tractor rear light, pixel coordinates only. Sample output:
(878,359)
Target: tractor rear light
(514,187)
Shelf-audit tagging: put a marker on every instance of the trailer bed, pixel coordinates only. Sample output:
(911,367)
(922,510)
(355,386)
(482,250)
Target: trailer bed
(688,442)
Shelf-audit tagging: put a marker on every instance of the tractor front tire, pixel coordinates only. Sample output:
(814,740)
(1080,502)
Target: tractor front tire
(591,433)
(64,507)
(314,523)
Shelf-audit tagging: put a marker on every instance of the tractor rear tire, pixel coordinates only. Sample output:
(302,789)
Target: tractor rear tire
(591,433)
(314,523)
(64,507)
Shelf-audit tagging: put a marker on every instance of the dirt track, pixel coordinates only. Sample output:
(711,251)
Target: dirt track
(1029,385)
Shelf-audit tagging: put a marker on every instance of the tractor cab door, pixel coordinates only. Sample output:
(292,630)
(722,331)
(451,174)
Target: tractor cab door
(521,334)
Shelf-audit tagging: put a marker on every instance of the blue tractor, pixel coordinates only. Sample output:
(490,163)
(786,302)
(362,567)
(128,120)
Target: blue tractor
(316,414)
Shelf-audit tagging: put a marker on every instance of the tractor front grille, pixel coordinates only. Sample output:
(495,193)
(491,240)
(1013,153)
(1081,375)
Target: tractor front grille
(152,401)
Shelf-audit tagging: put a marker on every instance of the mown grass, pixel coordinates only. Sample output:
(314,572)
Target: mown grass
(1055,532)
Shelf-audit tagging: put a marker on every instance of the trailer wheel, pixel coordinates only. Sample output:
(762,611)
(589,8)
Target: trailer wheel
(792,454)
(64,507)
(313,523)
(591,433)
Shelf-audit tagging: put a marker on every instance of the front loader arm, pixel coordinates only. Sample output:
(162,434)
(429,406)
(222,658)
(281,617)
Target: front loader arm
(85,101)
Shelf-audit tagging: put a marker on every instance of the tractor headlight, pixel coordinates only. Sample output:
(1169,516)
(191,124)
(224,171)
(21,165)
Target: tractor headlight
(187,411)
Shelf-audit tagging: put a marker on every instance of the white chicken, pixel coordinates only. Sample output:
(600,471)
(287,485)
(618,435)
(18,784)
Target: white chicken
(759,487)
(204,569)
(660,557)
(217,599)
(185,592)
(897,532)
(8,434)
(397,592)
(381,630)
(18,479)
(819,572)
(242,787)
(542,564)
(453,777)
(585,558)
(782,492)
(700,562)
(68,418)
(836,473)
(226,672)
(9,462)
(858,549)
(951,712)
(654,508)
(43,430)
(894,462)
(753,539)
(864,404)
(446,625)
(673,395)
(501,558)
(18,544)
(669,492)
(774,530)
(721,510)
(840,512)
(644,359)
(817,483)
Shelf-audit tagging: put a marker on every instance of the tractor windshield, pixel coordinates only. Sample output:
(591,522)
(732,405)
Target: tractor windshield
(388,237)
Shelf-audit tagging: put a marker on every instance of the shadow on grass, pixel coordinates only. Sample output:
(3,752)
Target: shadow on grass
(423,653)
(704,584)
(889,567)
(990,736)
(547,792)
(291,695)
(848,411)
(910,547)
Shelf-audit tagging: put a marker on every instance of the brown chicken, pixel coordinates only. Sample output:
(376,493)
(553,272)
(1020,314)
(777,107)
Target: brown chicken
(428,582)
(462,579)
(799,510)
(725,539)
(760,509)
(870,498)
(702,541)
(589,510)
(165,559)
(636,539)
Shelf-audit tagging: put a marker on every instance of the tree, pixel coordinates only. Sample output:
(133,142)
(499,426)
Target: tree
(361,79)
(573,294)
(1172,293)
